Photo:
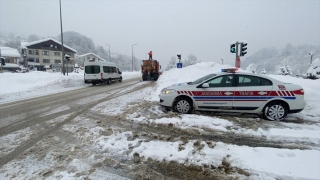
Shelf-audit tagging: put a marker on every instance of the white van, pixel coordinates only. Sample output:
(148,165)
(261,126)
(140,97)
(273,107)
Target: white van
(100,71)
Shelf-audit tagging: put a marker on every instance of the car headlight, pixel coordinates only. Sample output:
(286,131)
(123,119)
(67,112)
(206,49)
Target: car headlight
(167,91)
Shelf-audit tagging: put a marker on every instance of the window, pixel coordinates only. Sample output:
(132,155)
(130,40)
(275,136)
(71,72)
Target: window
(114,69)
(107,69)
(30,52)
(30,59)
(57,61)
(46,60)
(37,52)
(92,69)
(222,81)
(45,53)
(203,79)
(265,82)
(57,53)
(245,80)
(37,60)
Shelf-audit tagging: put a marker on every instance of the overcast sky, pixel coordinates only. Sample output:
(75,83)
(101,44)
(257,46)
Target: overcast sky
(203,28)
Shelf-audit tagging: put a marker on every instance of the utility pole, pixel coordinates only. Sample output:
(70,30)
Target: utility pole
(222,60)
(62,56)
(132,56)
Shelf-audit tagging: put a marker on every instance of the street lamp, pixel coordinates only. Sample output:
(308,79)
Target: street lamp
(132,56)
(109,52)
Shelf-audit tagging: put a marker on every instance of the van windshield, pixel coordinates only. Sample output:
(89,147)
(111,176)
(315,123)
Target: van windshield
(92,69)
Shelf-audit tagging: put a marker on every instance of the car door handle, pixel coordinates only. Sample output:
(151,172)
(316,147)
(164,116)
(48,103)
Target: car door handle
(228,93)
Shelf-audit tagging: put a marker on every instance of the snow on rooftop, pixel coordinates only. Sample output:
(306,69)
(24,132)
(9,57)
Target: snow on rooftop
(25,44)
(9,52)
(88,54)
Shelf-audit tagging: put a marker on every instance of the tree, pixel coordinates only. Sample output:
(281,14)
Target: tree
(263,71)
(251,68)
(285,70)
(191,59)
(33,37)
(314,69)
(172,63)
(13,41)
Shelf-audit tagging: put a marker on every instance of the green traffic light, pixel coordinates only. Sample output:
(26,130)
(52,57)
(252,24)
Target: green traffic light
(233,50)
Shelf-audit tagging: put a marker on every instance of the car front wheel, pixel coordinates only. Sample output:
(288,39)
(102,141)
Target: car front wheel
(183,105)
(275,111)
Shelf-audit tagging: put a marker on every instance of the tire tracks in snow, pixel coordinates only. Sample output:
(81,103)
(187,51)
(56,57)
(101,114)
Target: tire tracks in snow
(75,113)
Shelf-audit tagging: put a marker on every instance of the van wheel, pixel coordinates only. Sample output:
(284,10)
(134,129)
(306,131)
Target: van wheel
(120,80)
(109,81)
(275,111)
(94,83)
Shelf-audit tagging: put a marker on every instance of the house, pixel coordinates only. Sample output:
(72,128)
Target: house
(91,56)
(46,52)
(12,57)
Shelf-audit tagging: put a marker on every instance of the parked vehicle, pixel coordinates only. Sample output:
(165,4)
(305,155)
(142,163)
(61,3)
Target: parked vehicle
(100,71)
(150,70)
(235,92)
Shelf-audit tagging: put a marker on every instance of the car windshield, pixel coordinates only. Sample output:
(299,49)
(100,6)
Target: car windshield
(202,79)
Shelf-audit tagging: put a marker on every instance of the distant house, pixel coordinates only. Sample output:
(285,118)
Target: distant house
(46,52)
(91,56)
(12,57)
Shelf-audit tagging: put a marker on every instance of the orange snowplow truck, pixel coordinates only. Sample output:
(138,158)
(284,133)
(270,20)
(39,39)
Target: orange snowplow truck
(150,70)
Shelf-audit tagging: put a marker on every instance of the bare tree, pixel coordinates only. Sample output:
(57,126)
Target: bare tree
(33,37)
(191,59)
(13,41)
(172,63)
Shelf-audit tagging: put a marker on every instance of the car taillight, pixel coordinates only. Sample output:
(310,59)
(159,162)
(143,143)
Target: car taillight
(101,75)
(299,92)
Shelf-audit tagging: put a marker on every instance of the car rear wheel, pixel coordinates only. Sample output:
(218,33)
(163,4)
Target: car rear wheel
(183,105)
(275,111)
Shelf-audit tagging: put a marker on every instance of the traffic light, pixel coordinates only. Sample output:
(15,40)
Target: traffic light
(243,48)
(179,56)
(67,57)
(233,48)
(3,63)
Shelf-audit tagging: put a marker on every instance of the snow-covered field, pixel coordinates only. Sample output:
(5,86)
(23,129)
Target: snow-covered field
(263,162)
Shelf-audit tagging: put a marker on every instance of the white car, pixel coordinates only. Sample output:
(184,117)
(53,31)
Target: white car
(235,92)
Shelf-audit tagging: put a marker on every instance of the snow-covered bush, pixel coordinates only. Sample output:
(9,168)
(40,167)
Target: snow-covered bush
(314,70)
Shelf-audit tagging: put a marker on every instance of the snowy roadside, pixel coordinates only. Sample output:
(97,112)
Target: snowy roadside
(19,86)
(301,130)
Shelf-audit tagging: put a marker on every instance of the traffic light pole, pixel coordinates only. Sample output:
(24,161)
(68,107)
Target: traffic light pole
(237,60)
(1,62)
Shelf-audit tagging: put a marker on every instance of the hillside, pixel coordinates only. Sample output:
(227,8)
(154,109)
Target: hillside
(272,59)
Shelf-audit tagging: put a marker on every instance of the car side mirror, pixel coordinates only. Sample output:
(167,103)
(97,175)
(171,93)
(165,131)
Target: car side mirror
(205,85)
(120,72)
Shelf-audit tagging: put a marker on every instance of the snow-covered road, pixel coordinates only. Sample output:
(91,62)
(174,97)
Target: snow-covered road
(130,136)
